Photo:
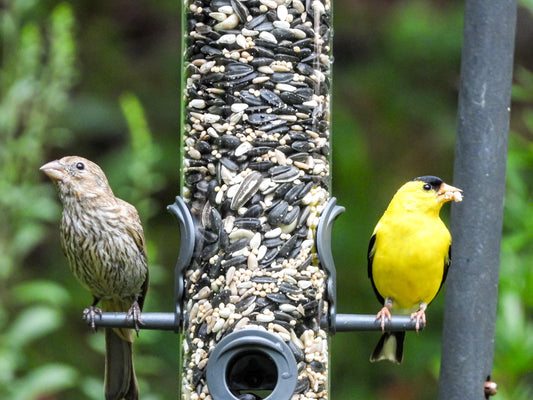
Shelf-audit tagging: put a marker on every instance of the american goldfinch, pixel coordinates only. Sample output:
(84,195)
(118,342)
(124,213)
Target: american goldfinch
(409,256)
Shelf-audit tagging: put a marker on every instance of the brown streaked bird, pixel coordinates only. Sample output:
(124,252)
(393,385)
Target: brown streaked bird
(103,240)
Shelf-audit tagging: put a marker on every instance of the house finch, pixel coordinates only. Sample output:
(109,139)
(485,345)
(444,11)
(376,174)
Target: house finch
(103,240)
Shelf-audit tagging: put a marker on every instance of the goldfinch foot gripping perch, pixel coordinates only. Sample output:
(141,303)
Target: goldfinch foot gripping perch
(384,314)
(420,316)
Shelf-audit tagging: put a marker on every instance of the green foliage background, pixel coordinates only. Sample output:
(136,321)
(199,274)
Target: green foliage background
(101,79)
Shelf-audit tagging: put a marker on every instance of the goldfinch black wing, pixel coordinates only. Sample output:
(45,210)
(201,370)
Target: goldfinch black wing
(447,263)
(370,256)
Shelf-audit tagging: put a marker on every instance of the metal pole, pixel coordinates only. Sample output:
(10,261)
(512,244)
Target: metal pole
(480,161)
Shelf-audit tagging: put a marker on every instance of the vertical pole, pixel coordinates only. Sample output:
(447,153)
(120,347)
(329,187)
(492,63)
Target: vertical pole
(480,163)
(255,150)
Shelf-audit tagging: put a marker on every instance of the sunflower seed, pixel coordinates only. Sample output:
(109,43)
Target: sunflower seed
(247,188)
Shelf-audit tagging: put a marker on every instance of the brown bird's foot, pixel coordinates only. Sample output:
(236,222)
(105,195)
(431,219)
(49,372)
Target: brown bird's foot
(419,316)
(135,313)
(90,313)
(384,314)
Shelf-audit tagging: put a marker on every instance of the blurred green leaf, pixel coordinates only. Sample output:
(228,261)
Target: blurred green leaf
(528,4)
(9,362)
(92,388)
(40,291)
(134,113)
(33,323)
(45,380)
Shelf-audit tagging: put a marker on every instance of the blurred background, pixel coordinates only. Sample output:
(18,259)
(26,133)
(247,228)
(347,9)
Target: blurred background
(101,79)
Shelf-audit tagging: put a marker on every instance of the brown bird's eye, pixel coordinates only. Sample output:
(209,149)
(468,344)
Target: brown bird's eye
(427,187)
(80,166)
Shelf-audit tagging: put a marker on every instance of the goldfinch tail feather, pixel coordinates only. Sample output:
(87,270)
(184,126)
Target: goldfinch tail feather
(389,347)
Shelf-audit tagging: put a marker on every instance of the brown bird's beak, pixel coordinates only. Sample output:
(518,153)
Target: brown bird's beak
(448,193)
(54,170)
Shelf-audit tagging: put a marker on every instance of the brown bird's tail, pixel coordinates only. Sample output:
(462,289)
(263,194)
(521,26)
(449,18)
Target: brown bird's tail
(389,347)
(120,380)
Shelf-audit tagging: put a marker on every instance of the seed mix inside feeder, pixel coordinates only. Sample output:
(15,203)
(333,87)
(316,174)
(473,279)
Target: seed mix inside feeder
(256,177)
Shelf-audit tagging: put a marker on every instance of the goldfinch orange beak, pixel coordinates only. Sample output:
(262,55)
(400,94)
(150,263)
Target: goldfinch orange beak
(54,170)
(448,193)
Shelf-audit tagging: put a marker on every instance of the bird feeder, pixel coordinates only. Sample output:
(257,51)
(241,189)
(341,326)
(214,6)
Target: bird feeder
(256,136)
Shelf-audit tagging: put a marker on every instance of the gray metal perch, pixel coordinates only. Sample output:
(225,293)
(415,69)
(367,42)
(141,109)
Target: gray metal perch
(343,322)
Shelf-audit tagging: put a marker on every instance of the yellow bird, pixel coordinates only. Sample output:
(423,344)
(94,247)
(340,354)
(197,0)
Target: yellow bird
(409,256)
